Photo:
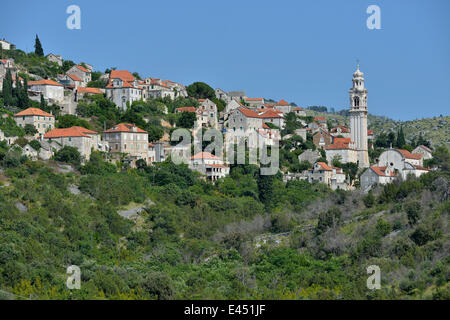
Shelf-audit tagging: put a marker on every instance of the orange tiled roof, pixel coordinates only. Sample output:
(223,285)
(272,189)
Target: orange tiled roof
(297,109)
(69,132)
(282,103)
(381,171)
(248,113)
(74,77)
(44,82)
(186,109)
(319,118)
(205,155)
(33,112)
(409,155)
(254,99)
(343,129)
(121,74)
(324,166)
(125,127)
(83,69)
(90,90)
(370,132)
(270,114)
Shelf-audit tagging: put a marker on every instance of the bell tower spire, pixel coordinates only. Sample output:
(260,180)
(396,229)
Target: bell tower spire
(358,117)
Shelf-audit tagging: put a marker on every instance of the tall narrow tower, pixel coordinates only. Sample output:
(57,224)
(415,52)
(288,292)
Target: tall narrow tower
(358,117)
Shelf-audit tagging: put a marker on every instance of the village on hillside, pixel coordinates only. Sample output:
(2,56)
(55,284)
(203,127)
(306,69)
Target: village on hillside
(310,148)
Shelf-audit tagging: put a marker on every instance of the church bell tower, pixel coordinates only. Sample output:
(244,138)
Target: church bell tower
(358,117)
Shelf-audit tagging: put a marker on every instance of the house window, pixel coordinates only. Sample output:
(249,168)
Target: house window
(70,138)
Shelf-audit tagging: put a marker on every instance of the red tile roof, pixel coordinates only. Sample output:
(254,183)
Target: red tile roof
(270,114)
(343,129)
(282,103)
(320,119)
(69,132)
(324,166)
(44,82)
(205,155)
(248,113)
(409,155)
(186,109)
(90,90)
(125,127)
(297,109)
(381,171)
(83,69)
(121,74)
(370,132)
(74,77)
(33,112)
(254,99)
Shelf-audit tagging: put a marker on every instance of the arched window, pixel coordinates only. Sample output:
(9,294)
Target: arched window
(356,101)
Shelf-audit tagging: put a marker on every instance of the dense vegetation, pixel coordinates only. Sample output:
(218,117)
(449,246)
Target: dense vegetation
(247,236)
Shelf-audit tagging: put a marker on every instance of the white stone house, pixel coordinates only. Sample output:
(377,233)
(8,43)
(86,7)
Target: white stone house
(273,117)
(123,88)
(210,108)
(128,138)
(41,120)
(51,90)
(426,152)
(81,72)
(7,45)
(28,151)
(220,94)
(210,165)
(283,106)
(83,139)
(376,175)
(254,102)
(342,148)
(298,111)
(56,58)
(340,130)
(157,88)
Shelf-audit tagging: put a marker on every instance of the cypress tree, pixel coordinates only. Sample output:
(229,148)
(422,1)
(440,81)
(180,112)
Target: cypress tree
(7,89)
(401,138)
(38,47)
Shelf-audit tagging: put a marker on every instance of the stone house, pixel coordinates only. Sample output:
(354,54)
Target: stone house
(81,72)
(340,130)
(283,106)
(273,117)
(210,109)
(41,120)
(344,149)
(83,139)
(426,152)
(56,58)
(210,165)
(299,111)
(128,138)
(123,88)
(7,45)
(51,90)
(322,139)
(376,175)
(309,155)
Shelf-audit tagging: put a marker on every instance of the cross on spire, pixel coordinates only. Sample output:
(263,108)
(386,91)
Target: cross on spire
(357,64)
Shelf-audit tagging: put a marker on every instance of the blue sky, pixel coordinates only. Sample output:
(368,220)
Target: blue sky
(300,51)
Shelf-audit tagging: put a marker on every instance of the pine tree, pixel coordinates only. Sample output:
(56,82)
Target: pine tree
(401,138)
(38,47)
(25,99)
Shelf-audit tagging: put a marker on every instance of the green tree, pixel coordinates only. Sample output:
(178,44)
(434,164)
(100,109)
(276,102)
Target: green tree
(38,47)
(201,90)
(400,138)
(7,90)
(30,129)
(69,155)
(186,120)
